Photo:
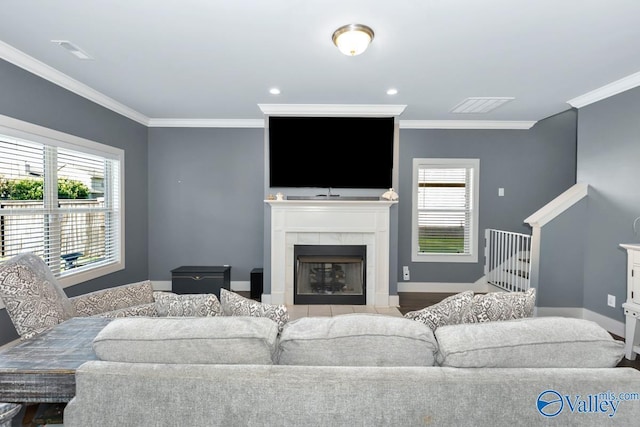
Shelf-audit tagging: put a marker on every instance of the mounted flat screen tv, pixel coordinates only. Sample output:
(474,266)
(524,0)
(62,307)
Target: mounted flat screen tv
(331,152)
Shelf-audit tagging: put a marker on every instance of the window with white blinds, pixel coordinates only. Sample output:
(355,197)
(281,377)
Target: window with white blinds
(60,198)
(445,210)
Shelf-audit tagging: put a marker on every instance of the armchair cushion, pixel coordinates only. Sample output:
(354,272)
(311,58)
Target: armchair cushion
(34,300)
(116,298)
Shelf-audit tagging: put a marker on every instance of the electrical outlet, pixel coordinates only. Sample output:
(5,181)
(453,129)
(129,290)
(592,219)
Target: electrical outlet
(405,273)
(611,300)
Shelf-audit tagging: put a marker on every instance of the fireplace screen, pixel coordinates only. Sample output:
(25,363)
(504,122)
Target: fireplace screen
(327,274)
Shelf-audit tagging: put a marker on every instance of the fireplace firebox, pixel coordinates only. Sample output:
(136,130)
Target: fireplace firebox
(330,274)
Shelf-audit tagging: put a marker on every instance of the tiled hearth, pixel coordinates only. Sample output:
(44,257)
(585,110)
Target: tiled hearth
(335,222)
(298,311)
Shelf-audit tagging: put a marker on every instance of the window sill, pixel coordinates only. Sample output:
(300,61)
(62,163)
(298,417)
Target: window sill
(468,258)
(82,276)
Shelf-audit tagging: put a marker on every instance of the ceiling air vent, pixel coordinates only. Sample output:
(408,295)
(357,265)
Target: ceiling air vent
(72,49)
(480,104)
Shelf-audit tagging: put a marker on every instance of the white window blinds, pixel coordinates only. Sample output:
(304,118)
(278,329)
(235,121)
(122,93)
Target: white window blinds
(445,208)
(59,203)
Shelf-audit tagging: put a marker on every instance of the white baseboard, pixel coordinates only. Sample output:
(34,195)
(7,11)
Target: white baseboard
(614,326)
(479,286)
(242,286)
(161,285)
(394,301)
(165,285)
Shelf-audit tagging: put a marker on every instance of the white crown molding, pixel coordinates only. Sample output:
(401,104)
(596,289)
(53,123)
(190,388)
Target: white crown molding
(466,124)
(606,91)
(206,123)
(363,110)
(32,65)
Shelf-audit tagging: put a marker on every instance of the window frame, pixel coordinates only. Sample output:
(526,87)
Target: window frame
(472,256)
(30,132)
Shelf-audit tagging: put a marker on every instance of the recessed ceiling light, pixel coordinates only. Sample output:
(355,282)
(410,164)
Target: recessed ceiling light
(392,92)
(72,49)
(481,104)
(274,91)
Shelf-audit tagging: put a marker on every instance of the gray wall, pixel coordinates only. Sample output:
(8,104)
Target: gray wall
(533,166)
(608,160)
(205,199)
(562,249)
(27,97)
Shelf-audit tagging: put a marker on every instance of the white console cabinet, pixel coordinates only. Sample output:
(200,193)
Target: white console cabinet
(632,305)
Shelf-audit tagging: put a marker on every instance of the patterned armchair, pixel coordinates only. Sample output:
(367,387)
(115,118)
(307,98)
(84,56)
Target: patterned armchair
(36,302)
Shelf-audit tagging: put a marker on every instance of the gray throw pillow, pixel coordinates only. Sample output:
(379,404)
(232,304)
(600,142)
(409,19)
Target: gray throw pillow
(237,305)
(449,311)
(34,300)
(500,306)
(187,305)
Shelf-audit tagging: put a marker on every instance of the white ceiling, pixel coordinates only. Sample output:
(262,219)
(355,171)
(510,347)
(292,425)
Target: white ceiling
(217,59)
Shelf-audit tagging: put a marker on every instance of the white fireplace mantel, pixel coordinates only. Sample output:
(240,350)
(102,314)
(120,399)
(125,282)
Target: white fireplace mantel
(330,222)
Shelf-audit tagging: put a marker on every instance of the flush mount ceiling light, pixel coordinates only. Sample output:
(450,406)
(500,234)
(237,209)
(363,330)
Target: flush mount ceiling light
(352,39)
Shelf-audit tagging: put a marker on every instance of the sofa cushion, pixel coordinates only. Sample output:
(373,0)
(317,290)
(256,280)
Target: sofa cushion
(500,306)
(206,340)
(194,305)
(34,300)
(143,310)
(540,342)
(449,311)
(237,305)
(358,339)
(115,298)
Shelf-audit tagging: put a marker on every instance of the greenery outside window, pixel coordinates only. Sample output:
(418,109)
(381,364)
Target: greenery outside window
(61,197)
(445,210)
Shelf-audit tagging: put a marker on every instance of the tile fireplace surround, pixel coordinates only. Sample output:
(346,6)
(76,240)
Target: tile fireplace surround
(330,222)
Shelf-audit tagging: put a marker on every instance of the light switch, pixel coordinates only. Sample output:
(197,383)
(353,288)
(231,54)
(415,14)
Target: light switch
(500,192)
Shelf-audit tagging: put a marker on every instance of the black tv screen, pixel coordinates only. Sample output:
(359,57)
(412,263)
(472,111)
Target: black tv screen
(336,152)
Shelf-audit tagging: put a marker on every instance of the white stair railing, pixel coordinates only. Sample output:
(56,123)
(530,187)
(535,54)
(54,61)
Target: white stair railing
(507,260)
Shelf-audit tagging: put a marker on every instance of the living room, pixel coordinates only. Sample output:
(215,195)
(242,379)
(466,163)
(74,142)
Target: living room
(195,143)
(195,193)
(188,189)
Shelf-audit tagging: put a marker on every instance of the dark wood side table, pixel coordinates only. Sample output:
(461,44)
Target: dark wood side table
(200,279)
(43,369)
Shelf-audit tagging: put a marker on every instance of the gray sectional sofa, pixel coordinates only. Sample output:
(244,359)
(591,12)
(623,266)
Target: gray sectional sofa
(353,370)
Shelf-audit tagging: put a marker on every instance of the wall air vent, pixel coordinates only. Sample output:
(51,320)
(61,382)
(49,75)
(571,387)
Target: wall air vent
(480,104)
(72,49)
